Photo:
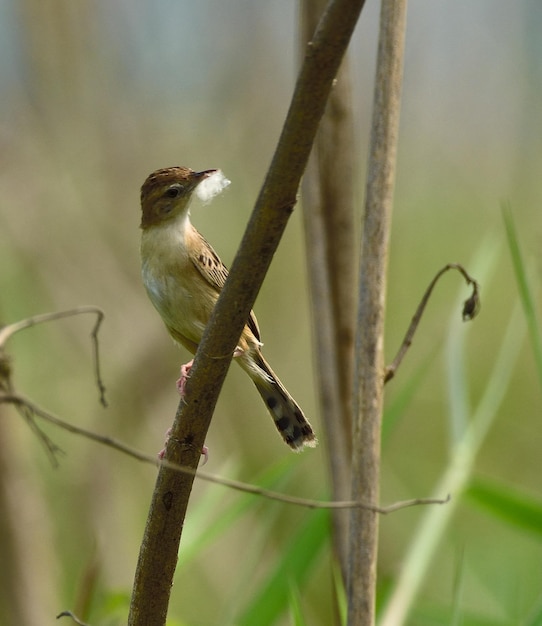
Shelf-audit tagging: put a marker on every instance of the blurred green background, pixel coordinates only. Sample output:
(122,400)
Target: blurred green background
(96,95)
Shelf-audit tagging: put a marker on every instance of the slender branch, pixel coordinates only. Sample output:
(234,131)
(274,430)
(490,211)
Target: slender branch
(28,414)
(471,306)
(110,442)
(20,400)
(159,549)
(73,616)
(8,331)
(7,391)
(368,397)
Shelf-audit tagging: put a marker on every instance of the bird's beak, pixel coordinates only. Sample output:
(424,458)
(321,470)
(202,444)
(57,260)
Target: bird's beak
(205,174)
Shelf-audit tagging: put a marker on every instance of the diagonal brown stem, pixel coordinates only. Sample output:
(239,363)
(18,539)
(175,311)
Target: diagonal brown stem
(158,554)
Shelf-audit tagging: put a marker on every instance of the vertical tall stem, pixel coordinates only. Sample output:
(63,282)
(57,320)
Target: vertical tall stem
(331,247)
(369,366)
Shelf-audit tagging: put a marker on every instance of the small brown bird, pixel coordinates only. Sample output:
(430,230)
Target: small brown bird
(183,277)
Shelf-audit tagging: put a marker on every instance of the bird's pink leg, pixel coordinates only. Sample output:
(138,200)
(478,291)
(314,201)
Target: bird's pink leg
(162,453)
(185,374)
(181,388)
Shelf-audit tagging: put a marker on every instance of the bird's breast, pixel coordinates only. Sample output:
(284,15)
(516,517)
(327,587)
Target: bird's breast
(174,285)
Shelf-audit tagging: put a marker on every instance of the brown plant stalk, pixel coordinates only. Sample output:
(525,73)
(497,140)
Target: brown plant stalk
(331,250)
(369,374)
(158,554)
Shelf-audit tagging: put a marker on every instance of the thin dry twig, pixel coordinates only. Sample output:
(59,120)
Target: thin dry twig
(51,448)
(74,618)
(471,307)
(110,442)
(20,400)
(8,331)
(6,384)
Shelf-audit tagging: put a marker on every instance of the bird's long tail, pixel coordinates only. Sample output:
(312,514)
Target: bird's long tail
(292,425)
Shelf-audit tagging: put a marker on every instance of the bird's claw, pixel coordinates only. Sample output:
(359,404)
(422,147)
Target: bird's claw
(184,376)
(162,453)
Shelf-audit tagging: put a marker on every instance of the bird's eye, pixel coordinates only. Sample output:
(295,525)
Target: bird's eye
(174,191)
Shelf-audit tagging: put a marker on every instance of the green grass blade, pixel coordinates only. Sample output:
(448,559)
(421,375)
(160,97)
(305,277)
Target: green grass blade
(455,477)
(402,398)
(296,613)
(440,616)
(509,504)
(340,593)
(199,532)
(525,292)
(297,562)
(535,617)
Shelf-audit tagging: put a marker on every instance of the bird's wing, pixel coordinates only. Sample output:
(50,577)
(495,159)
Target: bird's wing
(208,263)
(215,273)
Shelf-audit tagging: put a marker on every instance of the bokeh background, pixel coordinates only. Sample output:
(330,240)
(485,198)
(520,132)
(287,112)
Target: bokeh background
(96,95)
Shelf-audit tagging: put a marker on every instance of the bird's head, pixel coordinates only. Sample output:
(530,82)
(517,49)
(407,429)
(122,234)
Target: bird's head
(167,192)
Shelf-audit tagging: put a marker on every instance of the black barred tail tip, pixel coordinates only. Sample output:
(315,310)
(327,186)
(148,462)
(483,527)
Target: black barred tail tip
(288,417)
